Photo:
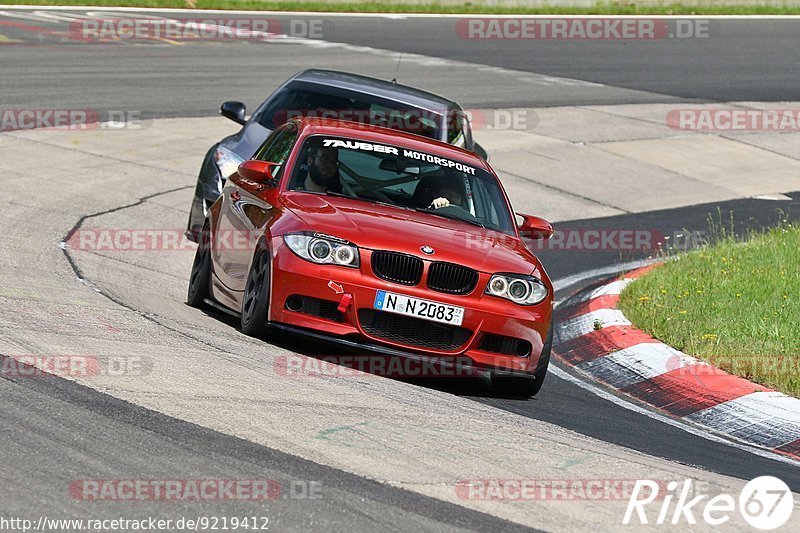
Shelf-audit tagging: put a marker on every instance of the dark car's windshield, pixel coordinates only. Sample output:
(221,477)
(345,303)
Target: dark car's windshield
(295,102)
(391,174)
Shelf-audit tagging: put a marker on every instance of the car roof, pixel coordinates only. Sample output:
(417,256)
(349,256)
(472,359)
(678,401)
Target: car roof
(367,132)
(376,87)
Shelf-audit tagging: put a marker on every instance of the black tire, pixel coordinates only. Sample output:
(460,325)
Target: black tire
(255,302)
(200,277)
(527,387)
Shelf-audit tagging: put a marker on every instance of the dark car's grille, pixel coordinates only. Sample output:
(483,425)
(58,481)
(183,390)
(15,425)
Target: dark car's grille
(505,345)
(455,279)
(412,331)
(399,268)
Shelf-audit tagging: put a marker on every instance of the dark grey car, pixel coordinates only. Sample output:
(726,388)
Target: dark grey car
(326,93)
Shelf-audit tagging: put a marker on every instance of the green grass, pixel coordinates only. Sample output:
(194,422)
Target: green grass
(601,8)
(734,304)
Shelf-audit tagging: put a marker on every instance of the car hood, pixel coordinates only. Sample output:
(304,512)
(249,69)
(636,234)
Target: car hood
(380,227)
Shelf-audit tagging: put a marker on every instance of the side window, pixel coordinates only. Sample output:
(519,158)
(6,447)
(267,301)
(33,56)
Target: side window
(456,131)
(467,129)
(277,147)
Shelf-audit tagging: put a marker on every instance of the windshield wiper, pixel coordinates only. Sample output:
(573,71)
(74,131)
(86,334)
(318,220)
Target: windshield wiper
(450,217)
(340,194)
(368,200)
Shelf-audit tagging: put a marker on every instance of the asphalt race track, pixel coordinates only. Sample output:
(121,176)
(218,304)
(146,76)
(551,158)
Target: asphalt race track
(209,404)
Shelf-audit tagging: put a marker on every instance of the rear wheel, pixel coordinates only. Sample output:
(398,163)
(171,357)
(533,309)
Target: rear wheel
(255,303)
(527,387)
(200,277)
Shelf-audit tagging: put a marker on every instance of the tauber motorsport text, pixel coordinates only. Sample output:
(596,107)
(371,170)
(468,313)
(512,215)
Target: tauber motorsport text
(409,154)
(765,503)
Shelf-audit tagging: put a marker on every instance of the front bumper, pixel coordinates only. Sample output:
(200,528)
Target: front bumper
(483,315)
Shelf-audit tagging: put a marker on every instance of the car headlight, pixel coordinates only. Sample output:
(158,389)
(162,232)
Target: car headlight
(520,289)
(323,249)
(227,161)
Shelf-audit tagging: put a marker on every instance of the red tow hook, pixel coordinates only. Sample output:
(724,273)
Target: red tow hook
(344,303)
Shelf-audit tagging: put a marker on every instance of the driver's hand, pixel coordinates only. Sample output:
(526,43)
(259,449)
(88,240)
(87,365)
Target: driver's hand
(440,202)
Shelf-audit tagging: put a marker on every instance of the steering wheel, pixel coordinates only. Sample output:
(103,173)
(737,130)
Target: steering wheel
(456,210)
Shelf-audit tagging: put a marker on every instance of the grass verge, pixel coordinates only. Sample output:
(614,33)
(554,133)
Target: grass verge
(734,304)
(367,6)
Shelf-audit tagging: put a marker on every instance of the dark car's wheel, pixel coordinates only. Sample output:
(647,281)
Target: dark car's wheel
(200,278)
(255,303)
(527,387)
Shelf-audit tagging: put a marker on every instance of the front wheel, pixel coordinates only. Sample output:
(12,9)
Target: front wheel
(255,303)
(200,278)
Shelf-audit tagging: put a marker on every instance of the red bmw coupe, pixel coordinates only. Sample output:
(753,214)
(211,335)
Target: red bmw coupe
(383,241)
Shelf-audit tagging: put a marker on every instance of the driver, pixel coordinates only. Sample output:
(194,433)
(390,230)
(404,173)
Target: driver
(449,191)
(323,170)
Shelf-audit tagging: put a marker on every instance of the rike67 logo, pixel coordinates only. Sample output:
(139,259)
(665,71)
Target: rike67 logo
(766,503)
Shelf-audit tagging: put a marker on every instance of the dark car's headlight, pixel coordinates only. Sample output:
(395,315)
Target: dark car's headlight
(227,161)
(520,289)
(323,249)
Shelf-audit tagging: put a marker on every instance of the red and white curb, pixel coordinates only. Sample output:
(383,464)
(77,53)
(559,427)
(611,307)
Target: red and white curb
(596,339)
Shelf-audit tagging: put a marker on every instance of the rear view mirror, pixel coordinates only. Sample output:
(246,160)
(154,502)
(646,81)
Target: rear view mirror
(535,227)
(234,111)
(398,165)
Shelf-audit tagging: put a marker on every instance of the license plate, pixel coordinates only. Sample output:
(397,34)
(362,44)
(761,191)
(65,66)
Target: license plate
(417,307)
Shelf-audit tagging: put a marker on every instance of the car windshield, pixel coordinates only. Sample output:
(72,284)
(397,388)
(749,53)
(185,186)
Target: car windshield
(296,103)
(401,177)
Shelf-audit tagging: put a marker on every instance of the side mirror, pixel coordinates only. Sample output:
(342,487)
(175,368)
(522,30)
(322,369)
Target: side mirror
(481,151)
(535,227)
(234,111)
(257,172)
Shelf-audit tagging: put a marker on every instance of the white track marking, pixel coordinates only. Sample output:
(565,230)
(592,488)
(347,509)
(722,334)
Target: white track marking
(569,281)
(27,16)
(637,363)
(583,324)
(611,289)
(423,60)
(750,415)
(685,425)
(408,15)
(669,421)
